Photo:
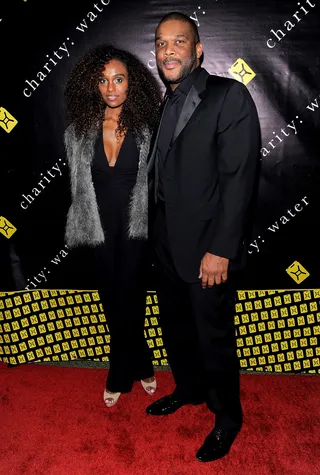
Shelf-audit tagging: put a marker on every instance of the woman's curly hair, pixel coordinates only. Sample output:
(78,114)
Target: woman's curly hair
(85,106)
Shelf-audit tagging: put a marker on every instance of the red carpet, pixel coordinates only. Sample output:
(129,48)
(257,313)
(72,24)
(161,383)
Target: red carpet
(54,422)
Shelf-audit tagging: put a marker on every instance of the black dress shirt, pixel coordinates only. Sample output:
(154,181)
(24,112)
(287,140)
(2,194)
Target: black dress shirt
(175,100)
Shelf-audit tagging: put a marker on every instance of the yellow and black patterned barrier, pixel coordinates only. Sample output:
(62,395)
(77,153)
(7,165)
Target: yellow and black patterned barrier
(277,331)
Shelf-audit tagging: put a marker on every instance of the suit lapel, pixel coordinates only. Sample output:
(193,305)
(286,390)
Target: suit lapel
(192,101)
(190,104)
(155,144)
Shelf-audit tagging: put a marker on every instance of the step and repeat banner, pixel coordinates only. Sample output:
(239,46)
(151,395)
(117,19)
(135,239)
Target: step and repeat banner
(49,308)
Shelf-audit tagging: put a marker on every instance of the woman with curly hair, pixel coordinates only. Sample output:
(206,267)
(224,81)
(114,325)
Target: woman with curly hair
(113,105)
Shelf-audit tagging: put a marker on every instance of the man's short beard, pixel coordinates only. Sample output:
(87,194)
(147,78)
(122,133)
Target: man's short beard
(186,69)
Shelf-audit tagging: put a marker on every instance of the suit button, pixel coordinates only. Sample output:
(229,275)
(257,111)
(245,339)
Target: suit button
(168,178)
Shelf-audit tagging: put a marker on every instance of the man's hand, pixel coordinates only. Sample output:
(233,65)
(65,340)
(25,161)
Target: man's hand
(213,270)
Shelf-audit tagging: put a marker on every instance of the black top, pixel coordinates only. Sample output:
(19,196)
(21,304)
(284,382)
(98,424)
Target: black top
(170,118)
(113,184)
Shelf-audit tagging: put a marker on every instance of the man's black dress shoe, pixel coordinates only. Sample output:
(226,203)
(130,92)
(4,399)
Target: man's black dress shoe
(168,405)
(216,445)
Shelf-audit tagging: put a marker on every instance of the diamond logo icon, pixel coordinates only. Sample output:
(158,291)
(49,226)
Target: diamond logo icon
(297,272)
(7,121)
(241,71)
(6,228)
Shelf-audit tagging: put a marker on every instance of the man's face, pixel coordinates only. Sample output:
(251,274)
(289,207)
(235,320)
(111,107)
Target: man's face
(176,52)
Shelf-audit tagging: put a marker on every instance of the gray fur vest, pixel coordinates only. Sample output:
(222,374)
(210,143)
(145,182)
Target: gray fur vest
(83,225)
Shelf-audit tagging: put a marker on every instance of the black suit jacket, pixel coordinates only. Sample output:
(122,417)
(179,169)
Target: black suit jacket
(210,174)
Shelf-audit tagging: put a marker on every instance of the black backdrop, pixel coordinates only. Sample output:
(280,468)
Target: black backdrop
(285,87)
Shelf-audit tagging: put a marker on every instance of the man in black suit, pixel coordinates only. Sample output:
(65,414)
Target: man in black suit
(203,179)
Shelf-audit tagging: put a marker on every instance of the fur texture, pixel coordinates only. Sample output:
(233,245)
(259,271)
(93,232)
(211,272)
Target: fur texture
(83,225)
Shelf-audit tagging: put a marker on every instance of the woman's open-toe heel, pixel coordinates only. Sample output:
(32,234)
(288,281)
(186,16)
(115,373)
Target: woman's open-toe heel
(149,388)
(110,399)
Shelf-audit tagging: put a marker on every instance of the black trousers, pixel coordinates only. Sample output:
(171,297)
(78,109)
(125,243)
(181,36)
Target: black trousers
(199,333)
(120,265)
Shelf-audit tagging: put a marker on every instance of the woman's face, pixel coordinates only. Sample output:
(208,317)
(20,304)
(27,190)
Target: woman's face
(113,83)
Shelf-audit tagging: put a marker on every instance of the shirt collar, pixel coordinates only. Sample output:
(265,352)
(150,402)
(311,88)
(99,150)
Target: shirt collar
(186,84)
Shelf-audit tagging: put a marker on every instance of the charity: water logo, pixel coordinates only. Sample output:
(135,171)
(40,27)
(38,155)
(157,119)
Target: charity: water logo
(6,228)
(297,272)
(241,71)
(7,121)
